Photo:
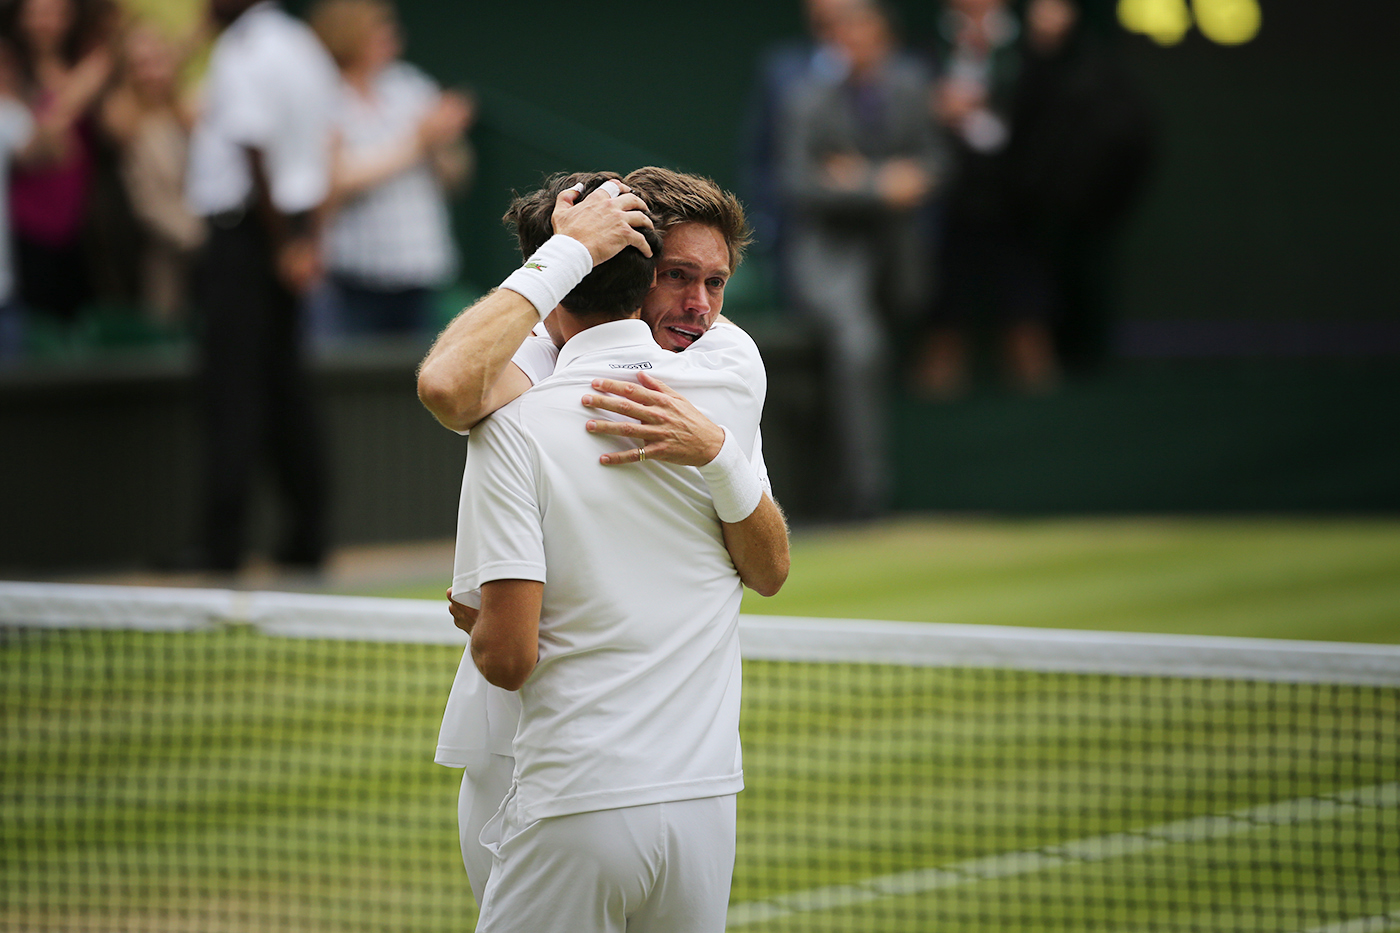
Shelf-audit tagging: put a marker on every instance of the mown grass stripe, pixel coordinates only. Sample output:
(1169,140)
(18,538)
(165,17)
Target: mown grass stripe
(1090,849)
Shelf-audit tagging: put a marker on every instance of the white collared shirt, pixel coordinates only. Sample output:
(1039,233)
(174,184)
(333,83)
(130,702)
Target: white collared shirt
(480,720)
(635,698)
(271,86)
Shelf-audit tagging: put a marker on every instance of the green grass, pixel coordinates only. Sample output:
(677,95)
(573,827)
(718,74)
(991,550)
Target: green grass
(1324,579)
(230,780)
(227,780)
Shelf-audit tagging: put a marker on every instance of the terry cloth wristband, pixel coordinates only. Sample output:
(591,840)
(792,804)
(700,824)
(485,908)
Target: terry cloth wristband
(551,273)
(733,482)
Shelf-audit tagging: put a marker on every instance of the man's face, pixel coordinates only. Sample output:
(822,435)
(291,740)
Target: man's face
(689,290)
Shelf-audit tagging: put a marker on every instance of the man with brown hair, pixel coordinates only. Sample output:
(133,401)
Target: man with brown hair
(610,602)
(468,373)
(488,356)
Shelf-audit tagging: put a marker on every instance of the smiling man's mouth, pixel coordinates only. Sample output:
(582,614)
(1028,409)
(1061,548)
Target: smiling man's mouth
(686,335)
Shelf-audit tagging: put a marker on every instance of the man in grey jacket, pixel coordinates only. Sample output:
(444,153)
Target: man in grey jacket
(861,158)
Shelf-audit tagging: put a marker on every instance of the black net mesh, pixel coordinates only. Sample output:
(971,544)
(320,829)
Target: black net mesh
(231,780)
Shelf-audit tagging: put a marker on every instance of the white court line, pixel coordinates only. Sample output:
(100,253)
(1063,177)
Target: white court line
(1079,851)
(1382,924)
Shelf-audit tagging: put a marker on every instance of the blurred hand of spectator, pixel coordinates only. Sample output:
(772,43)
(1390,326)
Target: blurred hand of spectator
(74,95)
(903,184)
(846,171)
(955,100)
(446,121)
(442,138)
(299,264)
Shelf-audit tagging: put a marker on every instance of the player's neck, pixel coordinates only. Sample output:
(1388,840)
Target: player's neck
(571,324)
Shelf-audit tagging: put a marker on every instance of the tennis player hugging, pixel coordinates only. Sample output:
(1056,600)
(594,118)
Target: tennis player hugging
(600,561)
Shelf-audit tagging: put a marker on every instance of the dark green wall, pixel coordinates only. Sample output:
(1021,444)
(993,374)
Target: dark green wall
(1277,185)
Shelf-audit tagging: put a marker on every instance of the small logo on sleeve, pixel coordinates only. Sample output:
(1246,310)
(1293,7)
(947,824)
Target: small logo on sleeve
(536,265)
(641,365)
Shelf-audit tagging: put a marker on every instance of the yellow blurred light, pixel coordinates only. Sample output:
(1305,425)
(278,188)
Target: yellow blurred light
(1165,21)
(1228,22)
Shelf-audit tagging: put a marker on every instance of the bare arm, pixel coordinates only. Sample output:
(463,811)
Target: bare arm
(675,431)
(468,373)
(441,127)
(296,238)
(460,378)
(53,129)
(506,636)
(759,547)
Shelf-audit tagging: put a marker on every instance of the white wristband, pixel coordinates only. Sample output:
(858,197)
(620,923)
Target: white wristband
(551,273)
(733,483)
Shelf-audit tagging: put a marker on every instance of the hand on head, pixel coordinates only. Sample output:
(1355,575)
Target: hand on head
(606,225)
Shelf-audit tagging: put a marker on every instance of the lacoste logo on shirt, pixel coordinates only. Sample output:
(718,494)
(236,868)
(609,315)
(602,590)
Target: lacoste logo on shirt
(641,365)
(536,265)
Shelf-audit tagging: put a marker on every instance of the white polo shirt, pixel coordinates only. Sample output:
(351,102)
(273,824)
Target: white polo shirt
(481,720)
(271,86)
(16,128)
(635,698)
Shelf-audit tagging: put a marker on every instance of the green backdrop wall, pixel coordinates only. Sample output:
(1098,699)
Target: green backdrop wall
(1271,195)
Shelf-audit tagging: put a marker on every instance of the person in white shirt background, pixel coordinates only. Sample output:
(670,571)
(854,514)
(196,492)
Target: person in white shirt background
(259,173)
(631,646)
(16,129)
(470,372)
(400,150)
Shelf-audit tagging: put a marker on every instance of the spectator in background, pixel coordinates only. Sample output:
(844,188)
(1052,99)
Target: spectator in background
(63,57)
(400,149)
(150,125)
(861,158)
(785,66)
(1081,149)
(988,262)
(16,128)
(259,173)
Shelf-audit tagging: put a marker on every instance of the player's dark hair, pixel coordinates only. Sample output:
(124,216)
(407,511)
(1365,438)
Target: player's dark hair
(615,288)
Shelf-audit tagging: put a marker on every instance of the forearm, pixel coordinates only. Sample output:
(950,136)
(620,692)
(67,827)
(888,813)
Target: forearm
(505,639)
(281,226)
(354,176)
(758,545)
(459,377)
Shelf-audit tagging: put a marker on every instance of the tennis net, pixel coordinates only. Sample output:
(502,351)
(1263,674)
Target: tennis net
(211,760)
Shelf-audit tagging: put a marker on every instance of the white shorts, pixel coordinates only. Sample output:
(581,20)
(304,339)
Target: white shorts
(659,868)
(483,791)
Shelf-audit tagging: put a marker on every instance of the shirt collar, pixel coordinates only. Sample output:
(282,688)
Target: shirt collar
(632,332)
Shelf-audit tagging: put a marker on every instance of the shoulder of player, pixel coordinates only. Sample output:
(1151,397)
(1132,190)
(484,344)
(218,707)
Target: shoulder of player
(725,335)
(508,419)
(726,346)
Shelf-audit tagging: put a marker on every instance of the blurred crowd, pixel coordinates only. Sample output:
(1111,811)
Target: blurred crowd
(930,203)
(97,111)
(925,204)
(299,183)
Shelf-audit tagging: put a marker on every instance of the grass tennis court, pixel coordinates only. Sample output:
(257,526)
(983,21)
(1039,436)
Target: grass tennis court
(1330,579)
(227,780)
(1310,578)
